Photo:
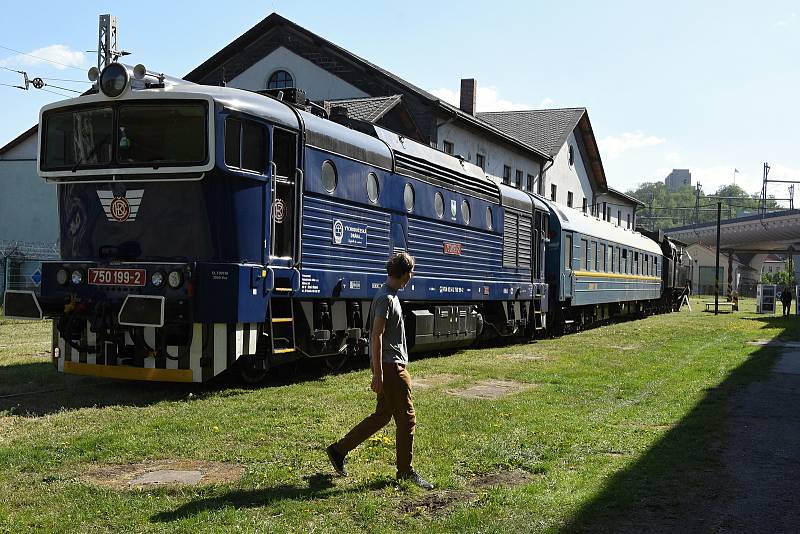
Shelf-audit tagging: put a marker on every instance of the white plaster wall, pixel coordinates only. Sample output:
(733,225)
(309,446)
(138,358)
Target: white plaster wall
(568,177)
(619,210)
(28,207)
(318,83)
(26,150)
(468,144)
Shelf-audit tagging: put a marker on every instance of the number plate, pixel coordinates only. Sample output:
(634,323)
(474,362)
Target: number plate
(117,277)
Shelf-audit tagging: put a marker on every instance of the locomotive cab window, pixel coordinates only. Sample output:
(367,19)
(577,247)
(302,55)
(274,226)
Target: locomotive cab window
(329,179)
(153,134)
(245,145)
(373,189)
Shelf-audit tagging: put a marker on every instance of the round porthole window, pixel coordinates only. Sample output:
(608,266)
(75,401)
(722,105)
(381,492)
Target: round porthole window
(329,176)
(372,187)
(438,202)
(408,197)
(466,214)
(489,218)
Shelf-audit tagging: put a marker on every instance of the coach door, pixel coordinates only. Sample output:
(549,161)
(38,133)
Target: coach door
(284,212)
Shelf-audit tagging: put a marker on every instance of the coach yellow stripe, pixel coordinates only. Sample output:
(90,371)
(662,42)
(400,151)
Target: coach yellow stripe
(128,373)
(616,275)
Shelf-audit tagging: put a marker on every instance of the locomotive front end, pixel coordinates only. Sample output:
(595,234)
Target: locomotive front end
(132,161)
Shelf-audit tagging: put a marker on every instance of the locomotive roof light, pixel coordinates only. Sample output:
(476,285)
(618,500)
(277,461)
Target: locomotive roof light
(93,74)
(114,80)
(62,277)
(139,72)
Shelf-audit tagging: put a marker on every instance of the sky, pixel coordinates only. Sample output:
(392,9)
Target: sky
(710,86)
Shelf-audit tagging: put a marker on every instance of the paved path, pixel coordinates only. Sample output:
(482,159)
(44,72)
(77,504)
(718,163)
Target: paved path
(762,452)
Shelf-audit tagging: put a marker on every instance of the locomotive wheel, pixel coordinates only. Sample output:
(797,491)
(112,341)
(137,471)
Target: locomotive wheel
(248,373)
(335,363)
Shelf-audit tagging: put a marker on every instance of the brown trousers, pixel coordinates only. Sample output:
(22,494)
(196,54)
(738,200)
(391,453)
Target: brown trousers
(395,401)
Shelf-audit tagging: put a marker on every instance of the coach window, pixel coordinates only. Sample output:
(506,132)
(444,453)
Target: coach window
(408,197)
(604,266)
(646,270)
(624,264)
(488,217)
(329,179)
(655,265)
(635,263)
(568,251)
(596,258)
(584,255)
(373,189)
(466,214)
(438,204)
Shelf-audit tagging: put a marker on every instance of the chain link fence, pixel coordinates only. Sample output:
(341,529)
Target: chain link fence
(21,264)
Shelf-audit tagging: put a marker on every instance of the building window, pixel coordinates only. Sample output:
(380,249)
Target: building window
(531,179)
(571,155)
(584,205)
(629,221)
(518,178)
(480,161)
(540,185)
(553,192)
(447,147)
(569,199)
(605,213)
(619,218)
(506,174)
(280,79)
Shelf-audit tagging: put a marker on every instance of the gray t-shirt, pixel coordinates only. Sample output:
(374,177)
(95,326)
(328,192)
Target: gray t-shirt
(387,304)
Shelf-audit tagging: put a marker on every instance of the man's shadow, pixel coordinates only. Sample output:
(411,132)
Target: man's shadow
(317,485)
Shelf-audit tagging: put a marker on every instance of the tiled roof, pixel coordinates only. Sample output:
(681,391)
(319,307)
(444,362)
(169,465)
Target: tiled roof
(544,129)
(369,109)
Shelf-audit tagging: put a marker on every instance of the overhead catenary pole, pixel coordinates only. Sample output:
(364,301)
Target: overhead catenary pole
(716,269)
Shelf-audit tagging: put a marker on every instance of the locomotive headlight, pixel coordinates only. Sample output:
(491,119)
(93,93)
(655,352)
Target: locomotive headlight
(114,80)
(77,277)
(157,279)
(175,279)
(62,276)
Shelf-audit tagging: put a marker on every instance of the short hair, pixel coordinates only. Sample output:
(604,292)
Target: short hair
(400,264)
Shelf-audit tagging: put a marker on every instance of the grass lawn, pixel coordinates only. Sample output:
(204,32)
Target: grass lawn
(608,419)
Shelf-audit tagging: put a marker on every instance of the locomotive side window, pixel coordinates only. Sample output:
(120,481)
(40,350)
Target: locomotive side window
(372,187)
(438,204)
(465,211)
(408,197)
(245,145)
(329,176)
(254,147)
(233,142)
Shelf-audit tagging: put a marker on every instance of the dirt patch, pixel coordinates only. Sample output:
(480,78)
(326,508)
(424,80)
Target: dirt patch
(515,477)
(164,473)
(438,503)
(490,389)
(624,347)
(432,381)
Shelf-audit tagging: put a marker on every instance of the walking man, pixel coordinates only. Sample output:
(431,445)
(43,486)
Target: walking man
(390,379)
(786,300)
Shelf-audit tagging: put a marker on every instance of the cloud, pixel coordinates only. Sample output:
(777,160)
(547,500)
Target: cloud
(486,100)
(547,102)
(788,21)
(613,146)
(673,158)
(62,55)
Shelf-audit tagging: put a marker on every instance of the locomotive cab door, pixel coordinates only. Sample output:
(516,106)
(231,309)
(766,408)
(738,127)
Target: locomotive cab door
(285,209)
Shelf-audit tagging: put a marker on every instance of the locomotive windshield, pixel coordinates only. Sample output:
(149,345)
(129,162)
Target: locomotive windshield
(131,134)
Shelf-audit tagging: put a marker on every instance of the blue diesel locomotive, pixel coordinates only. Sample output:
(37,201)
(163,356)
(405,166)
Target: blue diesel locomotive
(206,227)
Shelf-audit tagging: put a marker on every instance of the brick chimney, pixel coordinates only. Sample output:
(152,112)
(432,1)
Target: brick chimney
(469,91)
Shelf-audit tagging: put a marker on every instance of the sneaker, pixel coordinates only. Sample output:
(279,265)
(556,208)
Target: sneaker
(337,460)
(414,477)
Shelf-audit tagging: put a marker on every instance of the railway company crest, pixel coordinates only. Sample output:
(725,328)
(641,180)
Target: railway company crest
(120,207)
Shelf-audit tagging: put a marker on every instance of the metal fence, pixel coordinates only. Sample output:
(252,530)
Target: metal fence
(21,264)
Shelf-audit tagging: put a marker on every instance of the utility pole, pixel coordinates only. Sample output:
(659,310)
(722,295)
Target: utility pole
(697,204)
(716,269)
(791,197)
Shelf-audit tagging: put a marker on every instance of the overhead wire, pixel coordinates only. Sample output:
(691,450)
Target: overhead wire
(43,58)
